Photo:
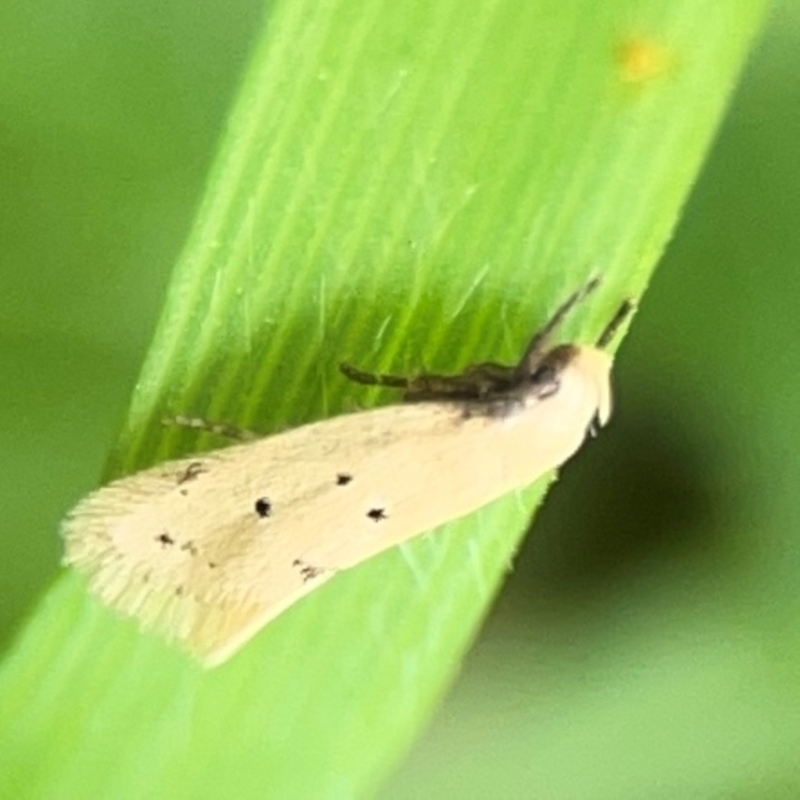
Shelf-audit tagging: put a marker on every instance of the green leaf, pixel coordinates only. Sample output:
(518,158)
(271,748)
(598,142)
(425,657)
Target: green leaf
(402,186)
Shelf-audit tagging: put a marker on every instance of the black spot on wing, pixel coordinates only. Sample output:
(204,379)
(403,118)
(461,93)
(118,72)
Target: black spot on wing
(307,571)
(343,478)
(165,539)
(263,507)
(190,548)
(191,472)
(377,514)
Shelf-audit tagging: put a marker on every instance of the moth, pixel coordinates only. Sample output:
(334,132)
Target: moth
(206,550)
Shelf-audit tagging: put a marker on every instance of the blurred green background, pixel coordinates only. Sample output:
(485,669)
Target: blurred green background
(648,635)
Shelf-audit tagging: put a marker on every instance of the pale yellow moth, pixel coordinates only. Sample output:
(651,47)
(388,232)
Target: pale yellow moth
(207,550)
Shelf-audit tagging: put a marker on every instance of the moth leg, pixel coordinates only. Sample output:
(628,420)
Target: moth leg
(594,427)
(491,378)
(613,326)
(219,428)
(477,382)
(490,370)
(537,344)
(474,383)
(440,387)
(373,379)
(421,387)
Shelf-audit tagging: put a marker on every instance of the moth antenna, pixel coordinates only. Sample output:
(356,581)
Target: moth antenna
(610,331)
(219,428)
(373,379)
(536,346)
